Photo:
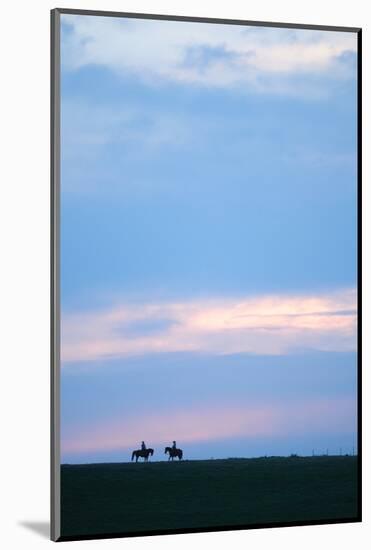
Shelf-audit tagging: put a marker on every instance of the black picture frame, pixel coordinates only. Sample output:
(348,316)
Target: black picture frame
(55,268)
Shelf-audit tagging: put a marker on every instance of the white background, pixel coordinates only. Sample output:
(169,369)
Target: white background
(24,270)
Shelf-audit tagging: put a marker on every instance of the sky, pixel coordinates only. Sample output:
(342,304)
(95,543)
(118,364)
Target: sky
(208,239)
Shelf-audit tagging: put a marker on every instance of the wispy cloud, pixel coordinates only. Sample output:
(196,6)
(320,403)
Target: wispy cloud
(254,58)
(272,324)
(213,423)
(86,124)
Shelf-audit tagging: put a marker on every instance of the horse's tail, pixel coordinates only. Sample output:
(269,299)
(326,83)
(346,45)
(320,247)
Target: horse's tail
(151,452)
(180,454)
(132,456)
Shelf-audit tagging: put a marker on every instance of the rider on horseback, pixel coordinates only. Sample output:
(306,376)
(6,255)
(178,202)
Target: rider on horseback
(174,452)
(143,446)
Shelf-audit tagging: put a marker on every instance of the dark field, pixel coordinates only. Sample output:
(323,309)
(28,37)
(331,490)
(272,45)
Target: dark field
(127,498)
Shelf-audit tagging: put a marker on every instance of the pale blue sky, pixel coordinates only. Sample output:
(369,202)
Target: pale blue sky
(205,168)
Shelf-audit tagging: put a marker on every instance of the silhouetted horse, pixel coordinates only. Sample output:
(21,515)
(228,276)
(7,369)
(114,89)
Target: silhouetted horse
(142,453)
(174,453)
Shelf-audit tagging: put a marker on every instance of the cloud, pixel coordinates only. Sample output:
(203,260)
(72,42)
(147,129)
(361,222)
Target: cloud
(92,125)
(271,324)
(320,416)
(223,56)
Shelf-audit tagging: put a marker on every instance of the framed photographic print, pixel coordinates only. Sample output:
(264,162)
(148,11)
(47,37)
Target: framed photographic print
(206,323)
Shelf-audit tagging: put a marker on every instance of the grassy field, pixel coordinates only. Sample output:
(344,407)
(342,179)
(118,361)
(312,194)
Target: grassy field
(116,498)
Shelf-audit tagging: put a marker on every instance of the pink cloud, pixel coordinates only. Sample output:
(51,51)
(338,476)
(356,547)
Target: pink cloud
(271,324)
(214,423)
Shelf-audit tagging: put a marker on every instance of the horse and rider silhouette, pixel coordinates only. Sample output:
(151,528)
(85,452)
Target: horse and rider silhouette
(174,452)
(145,452)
